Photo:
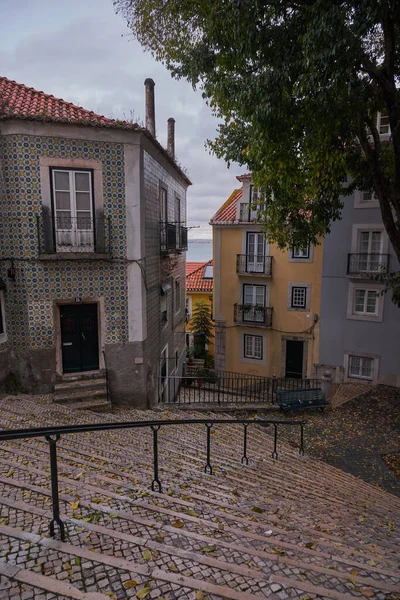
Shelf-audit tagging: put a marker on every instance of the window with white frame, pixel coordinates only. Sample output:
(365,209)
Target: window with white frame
(365,302)
(299,297)
(253,346)
(73,209)
(383,124)
(164,311)
(361,367)
(177,295)
(301,252)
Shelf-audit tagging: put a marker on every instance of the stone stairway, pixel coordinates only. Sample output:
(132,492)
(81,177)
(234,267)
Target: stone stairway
(292,528)
(83,391)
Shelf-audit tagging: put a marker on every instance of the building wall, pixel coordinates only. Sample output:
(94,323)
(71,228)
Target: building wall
(341,335)
(286,324)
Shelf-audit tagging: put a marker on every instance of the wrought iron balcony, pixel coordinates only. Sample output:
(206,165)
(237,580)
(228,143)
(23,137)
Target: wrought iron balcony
(250,314)
(367,264)
(73,235)
(174,236)
(254,264)
(246,213)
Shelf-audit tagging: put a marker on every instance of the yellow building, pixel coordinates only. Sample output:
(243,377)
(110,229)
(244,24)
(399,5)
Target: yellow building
(266,301)
(199,286)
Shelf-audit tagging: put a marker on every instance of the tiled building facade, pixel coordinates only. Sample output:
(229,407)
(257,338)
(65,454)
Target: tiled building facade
(110,274)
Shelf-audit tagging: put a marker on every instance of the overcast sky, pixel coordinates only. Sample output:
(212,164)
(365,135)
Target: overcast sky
(81,51)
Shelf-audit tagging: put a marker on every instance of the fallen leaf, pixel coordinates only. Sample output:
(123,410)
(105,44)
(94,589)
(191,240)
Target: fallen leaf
(367,592)
(278,551)
(199,595)
(179,524)
(208,549)
(77,560)
(257,509)
(354,572)
(309,545)
(75,504)
(147,555)
(131,583)
(145,591)
(10,473)
(173,567)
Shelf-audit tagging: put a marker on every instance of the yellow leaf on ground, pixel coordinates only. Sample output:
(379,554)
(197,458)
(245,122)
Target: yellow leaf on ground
(179,524)
(173,567)
(75,504)
(144,592)
(147,555)
(199,595)
(367,592)
(131,583)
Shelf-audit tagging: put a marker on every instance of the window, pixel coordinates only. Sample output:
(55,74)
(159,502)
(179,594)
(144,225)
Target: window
(253,346)
(365,302)
(178,221)
(208,272)
(299,296)
(164,312)
(254,303)
(301,252)
(383,124)
(361,367)
(177,295)
(73,209)
(176,358)
(188,308)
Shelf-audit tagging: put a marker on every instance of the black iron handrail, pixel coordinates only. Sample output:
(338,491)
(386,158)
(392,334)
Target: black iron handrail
(370,263)
(174,236)
(53,434)
(253,314)
(65,234)
(254,264)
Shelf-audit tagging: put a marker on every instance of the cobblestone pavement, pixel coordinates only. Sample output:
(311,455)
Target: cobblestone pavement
(292,528)
(356,435)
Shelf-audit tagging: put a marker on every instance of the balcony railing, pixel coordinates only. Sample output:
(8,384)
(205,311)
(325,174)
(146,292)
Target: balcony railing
(367,264)
(174,236)
(253,315)
(246,213)
(58,235)
(255,264)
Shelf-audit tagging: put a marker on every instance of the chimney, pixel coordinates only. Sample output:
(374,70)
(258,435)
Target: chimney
(150,111)
(171,138)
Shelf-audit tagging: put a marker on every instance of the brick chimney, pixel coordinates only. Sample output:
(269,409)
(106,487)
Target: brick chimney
(150,110)
(171,138)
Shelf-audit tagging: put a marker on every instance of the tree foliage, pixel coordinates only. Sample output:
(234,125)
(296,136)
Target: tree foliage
(201,325)
(297,85)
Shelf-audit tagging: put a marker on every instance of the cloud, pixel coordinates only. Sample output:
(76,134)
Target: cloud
(83,52)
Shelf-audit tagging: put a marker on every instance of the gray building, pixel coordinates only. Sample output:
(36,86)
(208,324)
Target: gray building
(92,248)
(360,328)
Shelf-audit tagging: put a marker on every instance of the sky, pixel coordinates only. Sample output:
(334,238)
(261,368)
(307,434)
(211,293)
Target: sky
(81,51)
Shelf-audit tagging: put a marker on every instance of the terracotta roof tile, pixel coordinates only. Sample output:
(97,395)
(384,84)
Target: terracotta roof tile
(17,101)
(22,102)
(243,177)
(192,266)
(195,281)
(227,213)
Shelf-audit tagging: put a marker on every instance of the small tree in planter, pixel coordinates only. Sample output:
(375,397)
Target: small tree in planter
(201,325)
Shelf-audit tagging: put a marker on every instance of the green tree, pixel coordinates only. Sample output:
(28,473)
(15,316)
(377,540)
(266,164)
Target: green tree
(297,85)
(201,325)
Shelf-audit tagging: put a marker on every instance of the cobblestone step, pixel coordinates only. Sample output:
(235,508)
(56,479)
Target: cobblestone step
(292,528)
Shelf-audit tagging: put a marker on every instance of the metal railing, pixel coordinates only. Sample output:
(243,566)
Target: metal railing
(367,264)
(65,234)
(211,387)
(246,213)
(254,264)
(174,236)
(53,435)
(253,314)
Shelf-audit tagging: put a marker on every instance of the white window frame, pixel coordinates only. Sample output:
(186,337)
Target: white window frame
(252,355)
(298,254)
(358,227)
(365,316)
(359,201)
(73,210)
(297,284)
(387,134)
(362,358)
(302,292)
(253,361)
(3,335)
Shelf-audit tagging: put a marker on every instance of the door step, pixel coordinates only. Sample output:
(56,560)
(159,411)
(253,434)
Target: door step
(83,393)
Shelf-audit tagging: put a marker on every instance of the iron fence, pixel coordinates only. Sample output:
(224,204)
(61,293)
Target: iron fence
(255,264)
(174,236)
(367,264)
(208,386)
(53,434)
(249,313)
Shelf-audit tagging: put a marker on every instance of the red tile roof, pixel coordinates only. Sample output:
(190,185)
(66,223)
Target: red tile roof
(227,213)
(192,266)
(243,177)
(195,281)
(17,101)
(22,102)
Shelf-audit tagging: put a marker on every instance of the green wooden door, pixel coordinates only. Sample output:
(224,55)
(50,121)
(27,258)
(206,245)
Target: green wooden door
(79,337)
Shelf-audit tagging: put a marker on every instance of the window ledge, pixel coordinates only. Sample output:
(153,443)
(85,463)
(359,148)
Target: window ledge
(369,318)
(75,256)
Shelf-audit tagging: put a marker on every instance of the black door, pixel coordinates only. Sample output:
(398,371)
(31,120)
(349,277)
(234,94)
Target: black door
(294,359)
(79,337)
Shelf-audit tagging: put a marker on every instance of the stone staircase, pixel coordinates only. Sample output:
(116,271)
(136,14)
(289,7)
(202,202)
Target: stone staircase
(83,391)
(292,528)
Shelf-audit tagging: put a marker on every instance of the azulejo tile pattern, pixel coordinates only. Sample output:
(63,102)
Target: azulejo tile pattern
(29,302)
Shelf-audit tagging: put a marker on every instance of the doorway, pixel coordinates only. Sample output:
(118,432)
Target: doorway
(79,337)
(294,359)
